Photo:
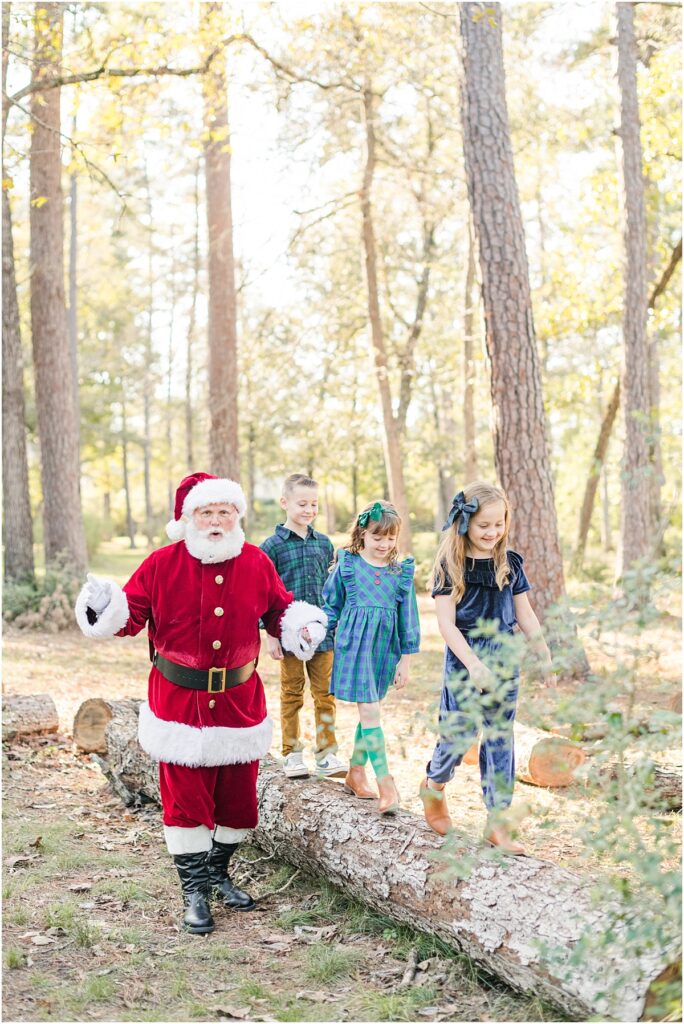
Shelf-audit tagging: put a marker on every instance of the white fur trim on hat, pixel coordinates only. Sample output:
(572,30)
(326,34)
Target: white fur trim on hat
(298,615)
(177,743)
(211,492)
(110,621)
(187,840)
(175,529)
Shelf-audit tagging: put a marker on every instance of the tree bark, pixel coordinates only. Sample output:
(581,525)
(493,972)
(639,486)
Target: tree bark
(192,322)
(391,439)
(130,525)
(495,916)
(224,450)
(73,297)
(470,468)
(17,525)
(62,518)
(636,527)
(597,465)
(521,448)
(28,716)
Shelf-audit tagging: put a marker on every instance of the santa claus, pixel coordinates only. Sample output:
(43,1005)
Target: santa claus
(205,720)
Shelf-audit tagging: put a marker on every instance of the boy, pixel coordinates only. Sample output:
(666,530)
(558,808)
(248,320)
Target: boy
(302,557)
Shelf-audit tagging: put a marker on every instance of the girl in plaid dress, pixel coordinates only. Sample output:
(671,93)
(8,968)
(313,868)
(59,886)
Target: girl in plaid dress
(480,591)
(371,606)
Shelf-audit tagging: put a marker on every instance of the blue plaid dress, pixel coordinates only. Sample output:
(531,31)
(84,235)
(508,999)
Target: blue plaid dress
(374,613)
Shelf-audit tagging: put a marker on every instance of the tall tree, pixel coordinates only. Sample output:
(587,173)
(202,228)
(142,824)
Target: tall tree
(393,460)
(470,473)
(63,531)
(17,525)
(636,526)
(521,448)
(224,454)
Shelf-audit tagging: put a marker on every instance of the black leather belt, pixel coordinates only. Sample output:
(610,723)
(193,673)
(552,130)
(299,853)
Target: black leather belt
(213,680)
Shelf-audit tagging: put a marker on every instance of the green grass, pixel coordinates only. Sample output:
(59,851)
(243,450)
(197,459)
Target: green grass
(251,990)
(397,1005)
(85,935)
(325,963)
(14,957)
(99,988)
(60,915)
(124,889)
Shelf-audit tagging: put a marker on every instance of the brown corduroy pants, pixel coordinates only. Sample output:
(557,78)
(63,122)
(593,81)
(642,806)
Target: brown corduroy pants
(292,683)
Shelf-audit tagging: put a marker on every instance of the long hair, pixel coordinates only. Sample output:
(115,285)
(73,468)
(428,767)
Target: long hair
(389,522)
(451,555)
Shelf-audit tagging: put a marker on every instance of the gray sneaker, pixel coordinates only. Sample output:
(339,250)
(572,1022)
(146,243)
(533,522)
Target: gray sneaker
(294,766)
(331,767)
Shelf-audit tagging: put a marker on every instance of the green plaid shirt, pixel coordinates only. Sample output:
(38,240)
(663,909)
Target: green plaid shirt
(303,565)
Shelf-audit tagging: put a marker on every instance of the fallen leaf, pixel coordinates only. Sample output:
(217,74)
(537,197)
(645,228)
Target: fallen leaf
(308,933)
(231,1013)
(37,843)
(18,861)
(80,887)
(41,940)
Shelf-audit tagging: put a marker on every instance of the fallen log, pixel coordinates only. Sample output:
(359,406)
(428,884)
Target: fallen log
(541,759)
(31,715)
(501,914)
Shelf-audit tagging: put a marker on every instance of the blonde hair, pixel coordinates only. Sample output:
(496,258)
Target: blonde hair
(389,522)
(451,555)
(297,480)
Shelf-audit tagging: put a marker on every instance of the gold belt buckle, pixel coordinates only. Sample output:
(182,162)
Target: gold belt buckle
(222,680)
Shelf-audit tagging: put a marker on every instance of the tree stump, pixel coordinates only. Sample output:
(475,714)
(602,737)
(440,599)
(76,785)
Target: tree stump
(541,759)
(28,716)
(90,722)
(498,915)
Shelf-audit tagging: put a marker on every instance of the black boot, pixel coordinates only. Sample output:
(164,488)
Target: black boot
(194,877)
(221,887)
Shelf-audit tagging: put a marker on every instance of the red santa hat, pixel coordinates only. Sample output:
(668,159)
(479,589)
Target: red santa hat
(201,489)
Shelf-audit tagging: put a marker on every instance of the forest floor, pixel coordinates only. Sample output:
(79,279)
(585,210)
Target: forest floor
(91,903)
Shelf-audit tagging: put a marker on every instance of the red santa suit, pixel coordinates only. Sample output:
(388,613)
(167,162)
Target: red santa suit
(204,616)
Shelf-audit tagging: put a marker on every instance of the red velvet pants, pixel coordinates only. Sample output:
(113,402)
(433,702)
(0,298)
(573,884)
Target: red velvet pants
(224,795)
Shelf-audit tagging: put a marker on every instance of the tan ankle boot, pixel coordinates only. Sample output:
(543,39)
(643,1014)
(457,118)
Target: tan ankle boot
(500,837)
(389,797)
(436,810)
(356,783)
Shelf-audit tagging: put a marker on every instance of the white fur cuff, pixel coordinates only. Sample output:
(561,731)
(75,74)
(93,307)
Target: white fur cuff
(110,621)
(177,743)
(187,840)
(224,834)
(299,615)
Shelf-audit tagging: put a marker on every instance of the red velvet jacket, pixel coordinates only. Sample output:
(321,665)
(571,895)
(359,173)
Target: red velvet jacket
(205,616)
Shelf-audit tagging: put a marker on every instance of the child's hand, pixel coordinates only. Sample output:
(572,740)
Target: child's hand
(483,678)
(274,648)
(401,676)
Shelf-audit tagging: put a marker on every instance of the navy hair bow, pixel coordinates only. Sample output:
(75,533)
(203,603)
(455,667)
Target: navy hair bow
(374,513)
(464,509)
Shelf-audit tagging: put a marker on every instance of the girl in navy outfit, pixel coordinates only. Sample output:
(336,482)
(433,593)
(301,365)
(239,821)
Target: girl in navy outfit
(475,577)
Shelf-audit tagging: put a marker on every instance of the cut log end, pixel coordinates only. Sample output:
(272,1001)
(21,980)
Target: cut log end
(553,762)
(660,993)
(90,723)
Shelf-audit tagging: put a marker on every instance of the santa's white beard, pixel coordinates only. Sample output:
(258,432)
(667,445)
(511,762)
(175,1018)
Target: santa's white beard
(210,550)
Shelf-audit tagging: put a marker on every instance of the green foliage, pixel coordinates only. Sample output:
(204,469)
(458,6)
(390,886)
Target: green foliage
(47,604)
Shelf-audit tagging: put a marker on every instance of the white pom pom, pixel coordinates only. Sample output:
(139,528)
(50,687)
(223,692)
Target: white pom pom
(175,529)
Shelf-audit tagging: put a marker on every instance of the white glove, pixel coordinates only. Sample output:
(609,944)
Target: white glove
(307,648)
(98,593)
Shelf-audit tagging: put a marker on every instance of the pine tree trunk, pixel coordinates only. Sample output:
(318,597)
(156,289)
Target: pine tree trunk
(189,452)
(224,450)
(470,468)
(73,295)
(521,448)
(636,527)
(17,526)
(597,465)
(63,521)
(392,445)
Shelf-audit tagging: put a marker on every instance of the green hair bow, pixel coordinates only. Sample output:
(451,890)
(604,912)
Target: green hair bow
(374,513)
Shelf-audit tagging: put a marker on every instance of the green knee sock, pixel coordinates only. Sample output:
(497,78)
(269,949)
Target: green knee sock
(359,754)
(374,741)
